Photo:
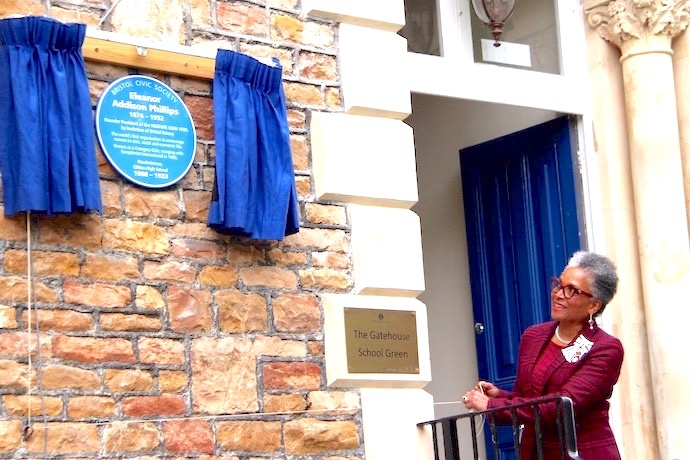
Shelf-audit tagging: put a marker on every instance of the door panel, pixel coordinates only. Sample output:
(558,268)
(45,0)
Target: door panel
(522,226)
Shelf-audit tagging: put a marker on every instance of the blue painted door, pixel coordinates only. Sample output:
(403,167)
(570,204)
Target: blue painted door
(522,226)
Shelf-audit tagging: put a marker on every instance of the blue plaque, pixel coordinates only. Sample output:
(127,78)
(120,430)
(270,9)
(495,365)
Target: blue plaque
(145,131)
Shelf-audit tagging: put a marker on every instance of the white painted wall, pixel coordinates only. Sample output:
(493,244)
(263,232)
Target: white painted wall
(442,126)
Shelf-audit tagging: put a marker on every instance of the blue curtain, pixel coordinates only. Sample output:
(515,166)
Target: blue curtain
(47,154)
(254,193)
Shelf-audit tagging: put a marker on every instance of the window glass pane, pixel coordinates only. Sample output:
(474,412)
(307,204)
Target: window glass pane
(530,39)
(421,27)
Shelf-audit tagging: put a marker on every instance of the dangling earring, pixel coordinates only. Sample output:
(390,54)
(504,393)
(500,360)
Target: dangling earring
(591,322)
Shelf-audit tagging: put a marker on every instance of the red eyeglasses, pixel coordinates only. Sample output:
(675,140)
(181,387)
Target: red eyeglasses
(568,289)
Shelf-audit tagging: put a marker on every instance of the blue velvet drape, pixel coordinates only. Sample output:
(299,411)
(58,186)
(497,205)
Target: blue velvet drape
(47,154)
(254,193)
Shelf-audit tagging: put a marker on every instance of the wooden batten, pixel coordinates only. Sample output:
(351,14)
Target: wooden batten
(143,57)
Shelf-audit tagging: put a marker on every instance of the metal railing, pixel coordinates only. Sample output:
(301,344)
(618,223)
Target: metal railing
(448,442)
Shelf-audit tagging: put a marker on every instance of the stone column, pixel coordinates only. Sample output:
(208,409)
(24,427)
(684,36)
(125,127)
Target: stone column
(681,67)
(643,30)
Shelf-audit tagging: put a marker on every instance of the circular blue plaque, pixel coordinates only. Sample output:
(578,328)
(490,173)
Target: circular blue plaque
(145,131)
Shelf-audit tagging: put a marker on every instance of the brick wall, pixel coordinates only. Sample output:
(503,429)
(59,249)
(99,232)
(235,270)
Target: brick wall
(159,337)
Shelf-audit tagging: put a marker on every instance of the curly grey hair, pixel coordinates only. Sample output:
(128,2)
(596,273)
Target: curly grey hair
(602,275)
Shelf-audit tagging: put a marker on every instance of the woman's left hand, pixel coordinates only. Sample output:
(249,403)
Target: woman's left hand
(475,400)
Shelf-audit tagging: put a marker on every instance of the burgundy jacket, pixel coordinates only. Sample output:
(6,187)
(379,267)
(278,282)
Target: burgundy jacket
(588,382)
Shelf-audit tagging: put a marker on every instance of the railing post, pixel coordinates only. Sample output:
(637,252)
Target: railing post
(569,426)
(450,439)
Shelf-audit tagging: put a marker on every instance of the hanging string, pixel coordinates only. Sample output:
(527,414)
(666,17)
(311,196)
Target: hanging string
(31,304)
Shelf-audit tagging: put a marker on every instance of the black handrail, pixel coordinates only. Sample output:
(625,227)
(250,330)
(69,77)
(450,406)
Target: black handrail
(565,426)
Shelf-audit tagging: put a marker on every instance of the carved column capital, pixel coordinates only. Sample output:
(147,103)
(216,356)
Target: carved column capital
(619,21)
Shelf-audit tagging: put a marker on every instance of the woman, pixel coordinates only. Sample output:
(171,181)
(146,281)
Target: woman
(569,356)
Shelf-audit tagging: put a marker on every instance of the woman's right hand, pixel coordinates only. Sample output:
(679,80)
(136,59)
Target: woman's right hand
(487,388)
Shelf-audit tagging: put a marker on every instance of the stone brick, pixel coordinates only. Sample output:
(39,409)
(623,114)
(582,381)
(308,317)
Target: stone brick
(330,259)
(129,322)
(265,51)
(304,95)
(13,289)
(196,204)
(198,249)
(272,277)
(60,320)
(14,375)
(275,346)
(190,309)
(131,437)
(8,317)
(161,351)
(191,179)
(135,236)
(172,381)
(104,167)
(218,276)
(96,295)
(126,380)
(315,348)
(81,407)
(201,110)
(16,345)
(326,214)
(326,278)
(195,230)
(152,204)
(239,312)
(35,7)
(311,436)
(318,239)
(297,313)
(76,230)
(62,439)
(171,271)
(242,255)
(188,436)
(149,298)
(18,405)
(291,29)
(303,186)
(249,436)
(286,258)
(317,66)
(60,377)
(65,15)
(300,152)
(43,263)
(160,20)
(12,228)
(333,99)
(341,401)
(223,376)
(10,430)
(201,13)
(113,267)
(93,350)
(147,406)
(297,119)
(242,18)
(292,402)
(111,195)
(292,375)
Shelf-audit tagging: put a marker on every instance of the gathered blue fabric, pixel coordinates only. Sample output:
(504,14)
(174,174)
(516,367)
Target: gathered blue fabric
(47,153)
(254,193)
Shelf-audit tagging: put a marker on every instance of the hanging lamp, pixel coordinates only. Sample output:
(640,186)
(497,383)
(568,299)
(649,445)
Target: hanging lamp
(494,14)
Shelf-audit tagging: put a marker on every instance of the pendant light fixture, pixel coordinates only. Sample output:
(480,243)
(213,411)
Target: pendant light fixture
(494,13)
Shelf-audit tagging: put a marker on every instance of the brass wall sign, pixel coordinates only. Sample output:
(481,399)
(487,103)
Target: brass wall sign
(381,341)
